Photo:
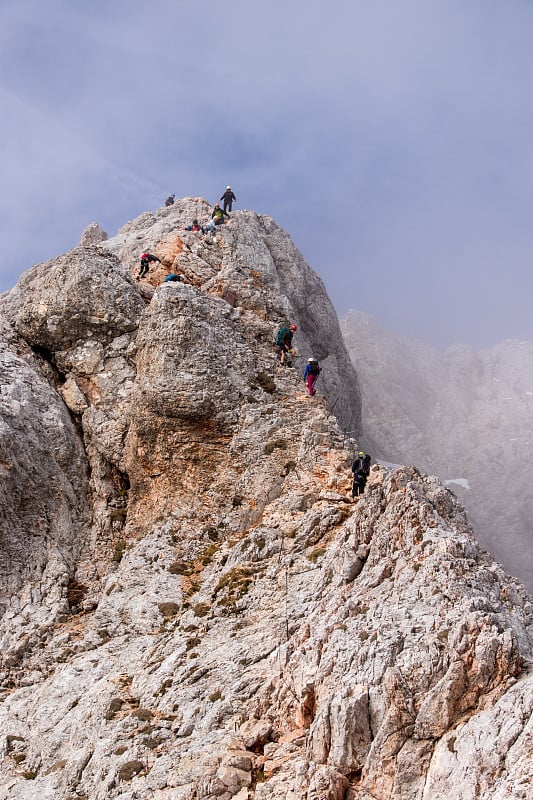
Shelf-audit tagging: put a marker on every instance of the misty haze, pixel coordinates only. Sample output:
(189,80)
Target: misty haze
(462,414)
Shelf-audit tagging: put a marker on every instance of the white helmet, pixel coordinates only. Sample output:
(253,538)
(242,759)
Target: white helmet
(228,187)
(311,359)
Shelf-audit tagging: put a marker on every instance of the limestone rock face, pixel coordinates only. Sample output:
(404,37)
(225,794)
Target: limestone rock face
(44,507)
(193,607)
(254,267)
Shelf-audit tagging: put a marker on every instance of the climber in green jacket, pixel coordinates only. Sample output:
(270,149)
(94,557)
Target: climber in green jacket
(219,214)
(284,343)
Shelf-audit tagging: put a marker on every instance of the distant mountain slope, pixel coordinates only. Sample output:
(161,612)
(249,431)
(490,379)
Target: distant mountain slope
(462,414)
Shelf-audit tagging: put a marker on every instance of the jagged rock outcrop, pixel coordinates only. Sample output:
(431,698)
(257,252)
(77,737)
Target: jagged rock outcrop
(93,234)
(225,622)
(463,415)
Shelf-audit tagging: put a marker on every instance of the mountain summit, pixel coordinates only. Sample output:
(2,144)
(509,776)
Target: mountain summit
(192,606)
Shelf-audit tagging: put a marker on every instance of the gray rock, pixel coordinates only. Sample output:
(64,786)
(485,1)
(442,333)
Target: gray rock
(191,607)
(93,234)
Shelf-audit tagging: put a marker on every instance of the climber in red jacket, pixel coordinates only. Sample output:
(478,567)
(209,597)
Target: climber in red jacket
(146,258)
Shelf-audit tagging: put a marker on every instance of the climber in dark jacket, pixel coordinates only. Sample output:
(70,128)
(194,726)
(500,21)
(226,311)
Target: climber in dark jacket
(228,197)
(146,258)
(361,471)
(170,200)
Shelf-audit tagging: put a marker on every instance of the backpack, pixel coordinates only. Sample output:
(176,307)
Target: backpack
(281,336)
(314,369)
(365,466)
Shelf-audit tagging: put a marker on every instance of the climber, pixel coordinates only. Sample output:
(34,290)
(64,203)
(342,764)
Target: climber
(146,258)
(361,471)
(174,277)
(228,197)
(170,200)
(219,214)
(195,226)
(284,343)
(312,371)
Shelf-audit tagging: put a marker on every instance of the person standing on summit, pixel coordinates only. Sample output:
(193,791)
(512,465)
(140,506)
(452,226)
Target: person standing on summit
(228,197)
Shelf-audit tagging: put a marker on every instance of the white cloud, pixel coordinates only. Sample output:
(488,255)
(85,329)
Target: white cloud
(391,140)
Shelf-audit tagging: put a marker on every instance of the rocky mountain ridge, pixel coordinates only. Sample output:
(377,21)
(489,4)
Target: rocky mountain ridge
(192,607)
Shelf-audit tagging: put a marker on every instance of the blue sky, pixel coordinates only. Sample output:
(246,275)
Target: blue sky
(393,140)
